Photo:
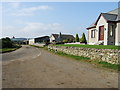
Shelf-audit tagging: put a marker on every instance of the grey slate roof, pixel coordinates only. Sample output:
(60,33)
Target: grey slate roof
(113,15)
(117,12)
(110,17)
(67,36)
(55,35)
(92,25)
(63,36)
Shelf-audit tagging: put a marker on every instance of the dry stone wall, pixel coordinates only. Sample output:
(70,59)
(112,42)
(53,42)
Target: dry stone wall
(108,55)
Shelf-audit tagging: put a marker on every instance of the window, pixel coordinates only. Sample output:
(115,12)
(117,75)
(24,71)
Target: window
(92,33)
(111,30)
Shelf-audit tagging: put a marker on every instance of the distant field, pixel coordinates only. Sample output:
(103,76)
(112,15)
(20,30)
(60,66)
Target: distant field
(91,46)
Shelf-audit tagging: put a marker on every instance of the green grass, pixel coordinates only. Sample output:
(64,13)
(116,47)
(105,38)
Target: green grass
(104,64)
(36,46)
(91,46)
(4,50)
(7,50)
(111,66)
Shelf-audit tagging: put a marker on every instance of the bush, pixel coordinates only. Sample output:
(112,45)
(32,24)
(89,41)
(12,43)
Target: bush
(83,39)
(6,43)
(77,38)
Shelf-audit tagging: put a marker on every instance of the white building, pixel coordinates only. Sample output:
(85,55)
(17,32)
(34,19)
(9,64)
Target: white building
(106,29)
(32,41)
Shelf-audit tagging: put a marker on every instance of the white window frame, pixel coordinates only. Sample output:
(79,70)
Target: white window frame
(111,30)
(93,33)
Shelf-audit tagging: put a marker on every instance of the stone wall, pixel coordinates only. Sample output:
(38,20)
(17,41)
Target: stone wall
(108,55)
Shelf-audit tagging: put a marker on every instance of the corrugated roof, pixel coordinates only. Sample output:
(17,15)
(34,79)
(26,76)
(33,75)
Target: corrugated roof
(42,37)
(18,39)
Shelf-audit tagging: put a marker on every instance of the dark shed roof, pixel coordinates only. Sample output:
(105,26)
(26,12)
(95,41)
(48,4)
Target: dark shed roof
(18,39)
(42,37)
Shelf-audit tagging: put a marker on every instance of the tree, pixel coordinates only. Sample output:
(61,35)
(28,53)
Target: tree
(77,38)
(83,39)
(6,43)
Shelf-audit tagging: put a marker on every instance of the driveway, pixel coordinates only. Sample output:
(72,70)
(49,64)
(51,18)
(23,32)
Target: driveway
(30,67)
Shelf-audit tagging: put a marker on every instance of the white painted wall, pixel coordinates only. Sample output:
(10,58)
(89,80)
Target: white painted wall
(31,41)
(92,41)
(117,37)
(102,22)
(51,38)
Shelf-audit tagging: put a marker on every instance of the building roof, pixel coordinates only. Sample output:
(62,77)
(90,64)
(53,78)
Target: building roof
(92,25)
(63,36)
(115,11)
(42,37)
(55,35)
(18,39)
(113,15)
(110,17)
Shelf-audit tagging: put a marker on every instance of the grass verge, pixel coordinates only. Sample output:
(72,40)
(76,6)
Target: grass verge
(91,46)
(115,67)
(36,46)
(5,50)
(111,66)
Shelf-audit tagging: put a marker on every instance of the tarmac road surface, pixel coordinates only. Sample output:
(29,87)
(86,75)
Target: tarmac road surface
(30,67)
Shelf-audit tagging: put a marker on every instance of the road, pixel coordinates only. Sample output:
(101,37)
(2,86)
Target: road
(30,67)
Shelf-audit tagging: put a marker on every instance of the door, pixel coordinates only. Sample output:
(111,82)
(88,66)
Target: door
(101,33)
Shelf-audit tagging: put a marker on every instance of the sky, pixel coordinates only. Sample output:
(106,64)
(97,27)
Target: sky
(35,19)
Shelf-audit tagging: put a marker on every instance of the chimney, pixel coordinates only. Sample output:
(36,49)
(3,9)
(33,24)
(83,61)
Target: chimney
(60,35)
